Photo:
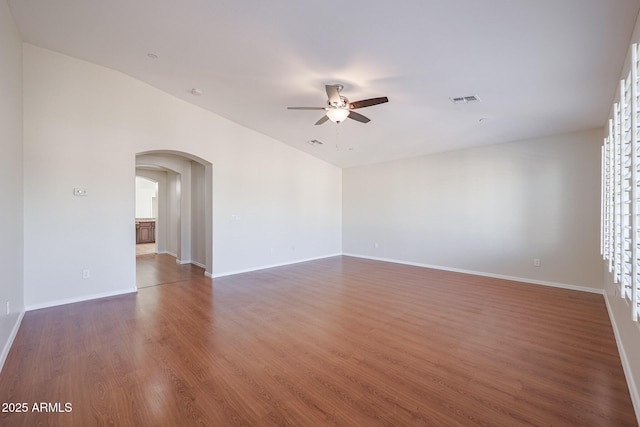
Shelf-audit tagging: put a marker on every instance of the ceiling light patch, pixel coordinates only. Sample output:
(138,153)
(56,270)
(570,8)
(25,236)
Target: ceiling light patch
(465,99)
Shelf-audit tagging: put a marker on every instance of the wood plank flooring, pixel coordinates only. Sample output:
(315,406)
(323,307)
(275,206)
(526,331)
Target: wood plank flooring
(161,269)
(340,341)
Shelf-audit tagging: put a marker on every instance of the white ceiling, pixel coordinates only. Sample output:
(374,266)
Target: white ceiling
(539,67)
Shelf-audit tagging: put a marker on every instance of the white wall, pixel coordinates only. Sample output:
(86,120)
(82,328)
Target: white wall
(11,181)
(288,203)
(627,331)
(146,198)
(198,196)
(173,214)
(491,210)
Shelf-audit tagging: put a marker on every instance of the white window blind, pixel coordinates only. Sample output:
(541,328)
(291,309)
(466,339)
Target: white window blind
(620,203)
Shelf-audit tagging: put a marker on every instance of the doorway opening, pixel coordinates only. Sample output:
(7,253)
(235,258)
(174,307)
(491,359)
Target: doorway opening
(182,217)
(146,214)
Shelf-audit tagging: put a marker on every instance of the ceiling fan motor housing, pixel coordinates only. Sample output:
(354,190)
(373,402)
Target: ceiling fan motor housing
(342,103)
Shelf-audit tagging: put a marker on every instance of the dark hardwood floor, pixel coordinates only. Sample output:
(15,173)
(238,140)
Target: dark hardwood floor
(339,341)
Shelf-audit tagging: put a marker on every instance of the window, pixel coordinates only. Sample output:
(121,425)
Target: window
(620,204)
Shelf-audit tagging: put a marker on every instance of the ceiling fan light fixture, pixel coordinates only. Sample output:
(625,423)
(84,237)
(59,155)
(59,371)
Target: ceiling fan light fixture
(338,107)
(338,115)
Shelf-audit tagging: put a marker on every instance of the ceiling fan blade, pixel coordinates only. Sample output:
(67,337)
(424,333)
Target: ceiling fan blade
(306,108)
(368,102)
(333,92)
(322,120)
(358,117)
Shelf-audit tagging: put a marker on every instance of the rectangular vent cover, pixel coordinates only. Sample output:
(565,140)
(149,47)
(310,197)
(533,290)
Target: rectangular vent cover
(465,99)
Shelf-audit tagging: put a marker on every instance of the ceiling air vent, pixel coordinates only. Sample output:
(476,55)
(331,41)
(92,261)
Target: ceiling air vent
(465,99)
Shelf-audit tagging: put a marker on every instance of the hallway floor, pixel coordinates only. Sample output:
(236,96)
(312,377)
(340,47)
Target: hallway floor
(145,249)
(161,269)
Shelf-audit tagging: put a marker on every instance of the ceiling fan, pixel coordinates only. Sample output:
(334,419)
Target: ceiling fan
(339,108)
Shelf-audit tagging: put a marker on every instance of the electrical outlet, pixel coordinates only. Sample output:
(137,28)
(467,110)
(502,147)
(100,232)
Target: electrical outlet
(376,245)
(536,262)
(86,273)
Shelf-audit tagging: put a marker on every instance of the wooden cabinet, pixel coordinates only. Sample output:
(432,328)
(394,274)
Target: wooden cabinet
(145,231)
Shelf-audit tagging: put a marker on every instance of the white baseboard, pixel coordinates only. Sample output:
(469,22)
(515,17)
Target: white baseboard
(190,261)
(204,267)
(198,264)
(9,343)
(626,366)
(167,253)
(184,261)
(80,299)
(482,273)
(264,267)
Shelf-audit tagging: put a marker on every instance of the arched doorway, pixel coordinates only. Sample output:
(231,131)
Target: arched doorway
(184,226)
